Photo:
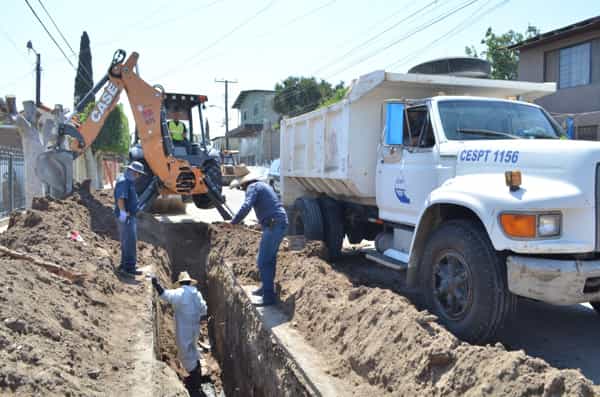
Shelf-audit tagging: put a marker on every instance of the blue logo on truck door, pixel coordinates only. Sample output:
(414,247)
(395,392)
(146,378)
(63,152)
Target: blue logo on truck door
(400,190)
(489,156)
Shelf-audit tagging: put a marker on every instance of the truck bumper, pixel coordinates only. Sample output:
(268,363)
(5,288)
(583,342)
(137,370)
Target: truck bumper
(560,282)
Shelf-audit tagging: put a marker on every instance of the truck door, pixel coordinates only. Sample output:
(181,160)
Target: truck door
(406,170)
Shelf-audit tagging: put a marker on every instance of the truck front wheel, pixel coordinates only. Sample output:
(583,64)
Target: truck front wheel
(464,281)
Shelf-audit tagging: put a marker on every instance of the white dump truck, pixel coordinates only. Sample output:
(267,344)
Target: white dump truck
(468,189)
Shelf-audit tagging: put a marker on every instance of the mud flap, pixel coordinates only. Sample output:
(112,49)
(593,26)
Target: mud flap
(56,170)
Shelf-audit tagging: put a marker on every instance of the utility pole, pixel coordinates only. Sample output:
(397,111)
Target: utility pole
(226,111)
(38,73)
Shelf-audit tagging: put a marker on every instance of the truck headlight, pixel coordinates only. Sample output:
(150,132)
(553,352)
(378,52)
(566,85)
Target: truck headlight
(523,225)
(549,225)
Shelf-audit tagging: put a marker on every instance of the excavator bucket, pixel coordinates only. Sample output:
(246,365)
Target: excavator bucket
(55,168)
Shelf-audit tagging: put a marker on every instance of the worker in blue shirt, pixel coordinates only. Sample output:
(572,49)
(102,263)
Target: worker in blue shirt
(274,222)
(126,202)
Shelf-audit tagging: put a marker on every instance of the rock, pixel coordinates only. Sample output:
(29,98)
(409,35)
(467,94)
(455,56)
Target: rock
(32,219)
(40,204)
(94,373)
(16,325)
(66,323)
(356,293)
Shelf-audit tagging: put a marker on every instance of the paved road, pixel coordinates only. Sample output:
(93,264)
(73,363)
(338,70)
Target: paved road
(566,337)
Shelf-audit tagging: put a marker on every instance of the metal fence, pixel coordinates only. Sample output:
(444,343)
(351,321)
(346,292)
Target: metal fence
(12,180)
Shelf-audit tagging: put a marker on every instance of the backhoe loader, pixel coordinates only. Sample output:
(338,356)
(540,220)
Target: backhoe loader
(191,170)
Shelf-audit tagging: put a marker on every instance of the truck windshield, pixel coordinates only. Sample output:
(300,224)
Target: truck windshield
(473,119)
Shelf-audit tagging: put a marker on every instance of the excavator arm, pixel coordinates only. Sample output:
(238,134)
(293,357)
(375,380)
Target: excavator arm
(173,175)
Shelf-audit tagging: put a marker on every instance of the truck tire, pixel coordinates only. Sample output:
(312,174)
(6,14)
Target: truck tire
(211,170)
(464,281)
(306,219)
(333,226)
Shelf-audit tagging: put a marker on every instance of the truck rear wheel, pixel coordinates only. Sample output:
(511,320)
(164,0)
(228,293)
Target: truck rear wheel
(306,219)
(333,226)
(464,281)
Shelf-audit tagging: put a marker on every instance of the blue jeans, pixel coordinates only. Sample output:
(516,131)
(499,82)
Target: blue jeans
(267,257)
(128,236)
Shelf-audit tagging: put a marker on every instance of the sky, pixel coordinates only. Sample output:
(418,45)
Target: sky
(185,45)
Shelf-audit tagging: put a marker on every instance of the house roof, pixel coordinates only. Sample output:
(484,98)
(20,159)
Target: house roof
(561,33)
(244,94)
(246,130)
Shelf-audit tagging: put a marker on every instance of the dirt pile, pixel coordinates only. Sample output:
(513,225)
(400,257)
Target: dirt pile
(379,342)
(74,339)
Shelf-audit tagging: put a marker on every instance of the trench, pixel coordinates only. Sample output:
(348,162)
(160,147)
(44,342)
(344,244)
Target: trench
(245,359)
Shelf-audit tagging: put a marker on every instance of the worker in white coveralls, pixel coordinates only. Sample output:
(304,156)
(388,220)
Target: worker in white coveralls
(189,309)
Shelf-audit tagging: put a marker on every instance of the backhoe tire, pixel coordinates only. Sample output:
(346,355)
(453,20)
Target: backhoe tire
(464,281)
(306,219)
(333,226)
(211,170)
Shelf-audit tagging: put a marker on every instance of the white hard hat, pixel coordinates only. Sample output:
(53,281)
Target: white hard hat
(137,167)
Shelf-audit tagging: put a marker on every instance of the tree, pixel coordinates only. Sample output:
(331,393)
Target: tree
(297,95)
(504,61)
(84,80)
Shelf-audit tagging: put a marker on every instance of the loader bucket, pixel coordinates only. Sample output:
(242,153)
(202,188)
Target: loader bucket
(55,168)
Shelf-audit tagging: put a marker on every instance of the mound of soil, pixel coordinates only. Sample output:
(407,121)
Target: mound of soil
(65,339)
(377,340)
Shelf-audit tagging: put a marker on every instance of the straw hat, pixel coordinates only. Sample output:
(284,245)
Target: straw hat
(251,177)
(185,276)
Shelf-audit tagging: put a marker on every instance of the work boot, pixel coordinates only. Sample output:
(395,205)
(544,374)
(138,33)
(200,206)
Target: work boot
(258,291)
(127,273)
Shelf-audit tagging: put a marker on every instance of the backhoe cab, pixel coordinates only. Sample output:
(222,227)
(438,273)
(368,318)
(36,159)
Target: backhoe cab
(191,170)
(194,148)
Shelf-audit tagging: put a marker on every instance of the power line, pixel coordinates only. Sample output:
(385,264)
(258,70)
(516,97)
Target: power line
(298,18)
(223,37)
(374,37)
(56,26)
(7,36)
(85,71)
(50,35)
(479,13)
(419,29)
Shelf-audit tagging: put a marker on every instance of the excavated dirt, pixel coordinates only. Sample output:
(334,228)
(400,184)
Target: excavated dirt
(376,340)
(78,339)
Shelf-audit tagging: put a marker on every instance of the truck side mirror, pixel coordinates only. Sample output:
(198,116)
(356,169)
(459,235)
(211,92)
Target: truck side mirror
(394,123)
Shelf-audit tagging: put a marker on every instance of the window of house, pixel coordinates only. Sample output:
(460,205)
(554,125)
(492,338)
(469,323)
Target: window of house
(587,132)
(574,66)
(244,116)
(256,109)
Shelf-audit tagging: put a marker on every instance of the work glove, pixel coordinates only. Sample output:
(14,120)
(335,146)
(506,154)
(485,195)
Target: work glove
(122,216)
(159,289)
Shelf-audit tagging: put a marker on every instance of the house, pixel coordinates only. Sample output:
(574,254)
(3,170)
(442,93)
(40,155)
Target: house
(569,56)
(259,141)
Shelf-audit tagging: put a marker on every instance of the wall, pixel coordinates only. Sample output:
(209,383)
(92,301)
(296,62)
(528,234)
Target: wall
(263,104)
(567,100)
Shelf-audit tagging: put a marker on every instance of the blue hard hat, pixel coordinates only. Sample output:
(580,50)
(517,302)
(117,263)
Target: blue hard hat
(137,167)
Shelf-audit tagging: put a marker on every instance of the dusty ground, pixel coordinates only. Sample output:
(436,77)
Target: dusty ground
(60,338)
(378,341)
